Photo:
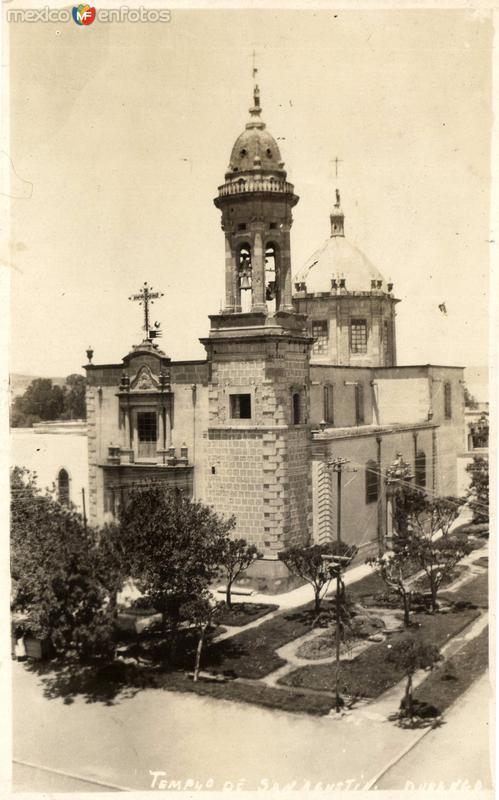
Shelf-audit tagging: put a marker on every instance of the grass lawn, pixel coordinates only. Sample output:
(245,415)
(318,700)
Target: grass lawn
(444,684)
(242,613)
(475,591)
(267,696)
(113,682)
(370,674)
(251,654)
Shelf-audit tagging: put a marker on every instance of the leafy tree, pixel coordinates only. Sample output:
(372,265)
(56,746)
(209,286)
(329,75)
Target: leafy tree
(201,612)
(447,510)
(409,654)
(237,555)
(478,492)
(41,400)
(406,499)
(469,399)
(45,401)
(113,566)
(392,569)
(175,547)
(74,397)
(308,563)
(438,559)
(54,561)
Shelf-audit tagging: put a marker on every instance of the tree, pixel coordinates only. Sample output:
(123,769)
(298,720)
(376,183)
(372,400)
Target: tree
(470,400)
(406,499)
(437,556)
(237,555)
(409,654)
(41,401)
(478,492)
(201,613)
(392,569)
(175,547)
(54,567)
(74,397)
(447,511)
(309,564)
(114,562)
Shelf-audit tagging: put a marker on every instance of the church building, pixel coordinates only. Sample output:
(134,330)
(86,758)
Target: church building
(300,370)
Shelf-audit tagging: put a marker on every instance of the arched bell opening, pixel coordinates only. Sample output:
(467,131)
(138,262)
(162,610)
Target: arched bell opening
(272,288)
(244,277)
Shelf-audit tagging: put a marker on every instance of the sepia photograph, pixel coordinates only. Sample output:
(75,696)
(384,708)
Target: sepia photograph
(247,397)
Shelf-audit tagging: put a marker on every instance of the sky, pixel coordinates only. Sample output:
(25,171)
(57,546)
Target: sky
(121,134)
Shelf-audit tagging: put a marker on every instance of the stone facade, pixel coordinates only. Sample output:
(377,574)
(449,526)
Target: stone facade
(289,383)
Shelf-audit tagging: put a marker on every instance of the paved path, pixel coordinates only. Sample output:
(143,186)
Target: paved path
(458,751)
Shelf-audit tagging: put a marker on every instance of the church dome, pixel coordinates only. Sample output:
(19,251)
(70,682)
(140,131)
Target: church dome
(255,148)
(339,258)
(255,143)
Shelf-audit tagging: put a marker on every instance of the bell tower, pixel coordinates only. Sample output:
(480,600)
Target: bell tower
(256,202)
(258,353)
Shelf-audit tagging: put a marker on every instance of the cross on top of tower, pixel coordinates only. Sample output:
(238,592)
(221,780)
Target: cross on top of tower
(146,297)
(336,161)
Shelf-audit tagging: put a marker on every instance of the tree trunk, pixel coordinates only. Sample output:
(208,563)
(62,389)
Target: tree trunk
(434,592)
(408,709)
(407,608)
(317,598)
(198,653)
(228,598)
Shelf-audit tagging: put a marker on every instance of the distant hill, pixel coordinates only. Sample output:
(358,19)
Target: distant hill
(19,383)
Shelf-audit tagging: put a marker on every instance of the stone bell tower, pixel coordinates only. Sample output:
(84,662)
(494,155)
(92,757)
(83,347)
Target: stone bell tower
(258,352)
(256,202)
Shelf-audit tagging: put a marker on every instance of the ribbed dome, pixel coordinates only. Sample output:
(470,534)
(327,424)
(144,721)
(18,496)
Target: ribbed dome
(339,258)
(255,142)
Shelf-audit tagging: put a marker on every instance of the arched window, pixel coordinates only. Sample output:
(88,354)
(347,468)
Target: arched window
(372,482)
(271,275)
(296,408)
(420,468)
(244,272)
(359,404)
(328,403)
(63,487)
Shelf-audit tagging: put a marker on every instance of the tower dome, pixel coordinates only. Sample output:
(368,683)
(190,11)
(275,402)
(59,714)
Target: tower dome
(255,149)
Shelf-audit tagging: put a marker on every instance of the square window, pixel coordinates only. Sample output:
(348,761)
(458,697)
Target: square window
(240,406)
(147,426)
(358,336)
(321,336)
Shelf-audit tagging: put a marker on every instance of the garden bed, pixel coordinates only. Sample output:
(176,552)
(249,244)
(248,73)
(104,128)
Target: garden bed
(448,681)
(370,673)
(475,591)
(242,613)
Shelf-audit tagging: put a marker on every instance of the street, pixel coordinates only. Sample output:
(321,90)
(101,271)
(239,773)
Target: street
(186,738)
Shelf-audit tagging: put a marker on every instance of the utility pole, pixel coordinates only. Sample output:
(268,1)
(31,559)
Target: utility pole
(84,509)
(337,465)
